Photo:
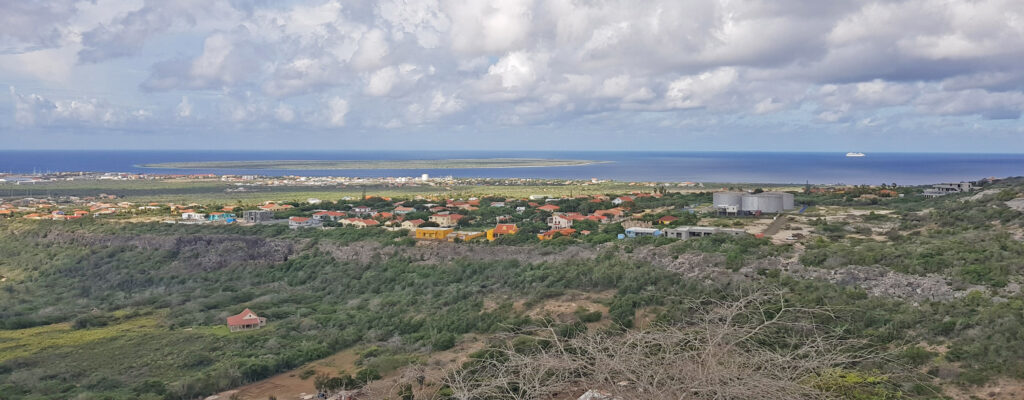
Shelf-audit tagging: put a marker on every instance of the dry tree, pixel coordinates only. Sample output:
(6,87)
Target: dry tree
(754,347)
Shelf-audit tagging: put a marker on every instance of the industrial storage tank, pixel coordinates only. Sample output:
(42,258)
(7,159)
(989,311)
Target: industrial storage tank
(727,199)
(787,201)
(763,202)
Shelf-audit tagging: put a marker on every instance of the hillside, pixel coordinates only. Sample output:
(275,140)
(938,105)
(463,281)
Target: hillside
(908,299)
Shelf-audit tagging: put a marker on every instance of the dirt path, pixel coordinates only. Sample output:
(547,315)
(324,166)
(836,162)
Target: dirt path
(775,226)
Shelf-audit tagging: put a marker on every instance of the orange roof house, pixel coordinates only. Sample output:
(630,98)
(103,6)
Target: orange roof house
(548,207)
(668,219)
(245,320)
(501,230)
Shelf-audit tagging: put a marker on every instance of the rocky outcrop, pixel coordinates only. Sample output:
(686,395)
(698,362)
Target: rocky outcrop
(193,252)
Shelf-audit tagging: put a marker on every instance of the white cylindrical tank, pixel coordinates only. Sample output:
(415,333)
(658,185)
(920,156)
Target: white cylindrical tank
(727,199)
(768,202)
(750,203)
(787,201)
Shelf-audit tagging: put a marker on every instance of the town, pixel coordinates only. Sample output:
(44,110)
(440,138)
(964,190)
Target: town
(650,209)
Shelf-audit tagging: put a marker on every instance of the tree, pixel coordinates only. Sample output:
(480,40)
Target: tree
(754,347)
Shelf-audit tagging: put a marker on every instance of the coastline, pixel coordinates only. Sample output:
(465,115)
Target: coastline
(496,163)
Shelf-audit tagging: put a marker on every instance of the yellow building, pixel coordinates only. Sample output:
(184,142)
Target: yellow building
(433,233)
(502,230)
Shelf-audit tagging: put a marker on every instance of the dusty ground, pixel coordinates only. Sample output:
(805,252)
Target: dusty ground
(288,385)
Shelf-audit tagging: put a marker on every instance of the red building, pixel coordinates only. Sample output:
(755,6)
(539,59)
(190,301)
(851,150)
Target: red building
(246,320)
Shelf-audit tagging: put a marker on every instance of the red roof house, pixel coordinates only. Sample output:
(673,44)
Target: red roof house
(548,208)
(245,320)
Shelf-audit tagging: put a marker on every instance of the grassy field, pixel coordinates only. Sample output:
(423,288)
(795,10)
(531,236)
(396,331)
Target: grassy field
(376,164)
(216,191)
(24,342)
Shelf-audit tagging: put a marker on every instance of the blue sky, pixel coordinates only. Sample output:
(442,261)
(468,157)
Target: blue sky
(775,75)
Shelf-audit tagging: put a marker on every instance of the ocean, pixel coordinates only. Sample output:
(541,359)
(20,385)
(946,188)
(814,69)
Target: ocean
(748,167)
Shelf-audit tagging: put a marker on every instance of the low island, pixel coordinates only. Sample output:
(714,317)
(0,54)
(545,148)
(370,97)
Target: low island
(375,164)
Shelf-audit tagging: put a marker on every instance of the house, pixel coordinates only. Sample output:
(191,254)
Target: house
(275,207)
(446,219)
(463,236)
(222,216)
(612,213)
(412,224)
(364,223)
(497,204)
(404,210)
(562,221)
(303,222)
(192,216)
(501,230)
(668,219)
(6,213)
(362,211)
(432,233)
(948,188)
(687,232)
(621,199)
(329,215)
(636,232)
(257,216)
(548,207)
(460,204)
(555,233)
(245,320)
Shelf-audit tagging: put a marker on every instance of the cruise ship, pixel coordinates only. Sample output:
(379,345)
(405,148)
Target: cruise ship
(854,154)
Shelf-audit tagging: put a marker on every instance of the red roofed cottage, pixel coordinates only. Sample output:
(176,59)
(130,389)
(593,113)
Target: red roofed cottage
(246,320)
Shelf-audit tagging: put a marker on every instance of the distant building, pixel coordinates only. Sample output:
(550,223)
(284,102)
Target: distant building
(502,230)
(257,216)
(548,208)
(463,236)
(446,219)
(222,217)
(687,232)
(303,222)
(400,210)
(412,224)
(433,233)
(943,189)
(361,211)
(622,199)
(743,203)
(329,215)
(193,216)
(636,232)
(246,320)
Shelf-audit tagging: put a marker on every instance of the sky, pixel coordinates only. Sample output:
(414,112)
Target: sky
(769,75)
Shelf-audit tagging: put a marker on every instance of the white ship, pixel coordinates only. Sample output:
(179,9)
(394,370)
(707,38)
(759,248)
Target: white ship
(854,154)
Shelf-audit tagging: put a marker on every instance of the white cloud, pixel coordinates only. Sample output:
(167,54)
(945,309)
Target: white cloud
(37,110)
(336,110)
(184,108)
(700,90)
(485,63)
(284,113)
